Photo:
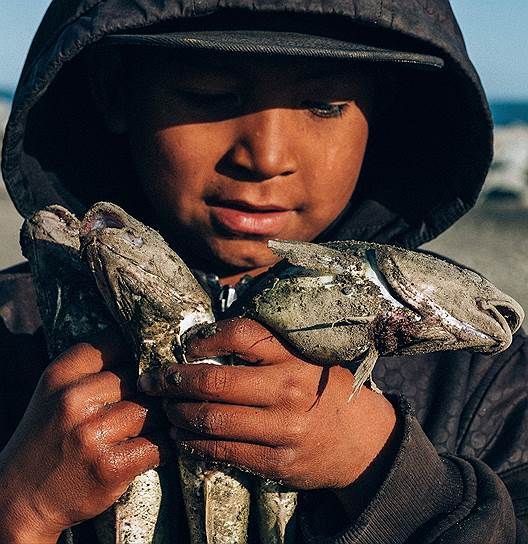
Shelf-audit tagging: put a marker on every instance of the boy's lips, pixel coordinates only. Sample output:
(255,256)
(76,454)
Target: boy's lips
(241,217)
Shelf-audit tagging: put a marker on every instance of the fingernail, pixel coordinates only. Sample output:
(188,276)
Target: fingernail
(200,332)
(146,383)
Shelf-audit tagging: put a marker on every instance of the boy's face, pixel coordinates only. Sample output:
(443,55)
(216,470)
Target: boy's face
(233,151)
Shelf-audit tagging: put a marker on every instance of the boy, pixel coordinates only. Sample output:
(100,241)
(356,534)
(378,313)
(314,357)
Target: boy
(223,128)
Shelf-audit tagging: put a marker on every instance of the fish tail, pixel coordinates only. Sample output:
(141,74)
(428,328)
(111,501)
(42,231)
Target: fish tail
(276,512)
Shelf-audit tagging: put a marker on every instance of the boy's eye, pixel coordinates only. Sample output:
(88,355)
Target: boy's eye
(325,109)
(201,98)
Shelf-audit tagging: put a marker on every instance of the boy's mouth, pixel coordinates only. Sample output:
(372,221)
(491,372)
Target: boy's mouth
(250,218)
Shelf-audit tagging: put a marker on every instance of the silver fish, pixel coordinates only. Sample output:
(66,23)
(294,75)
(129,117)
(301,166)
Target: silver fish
(156,299)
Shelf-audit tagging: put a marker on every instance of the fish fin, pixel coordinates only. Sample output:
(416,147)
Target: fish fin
(374,387)
(364,373)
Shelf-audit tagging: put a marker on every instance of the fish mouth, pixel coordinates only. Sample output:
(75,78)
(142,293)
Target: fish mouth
(102,219)
(508,313)
(55,214)
(98,221)
(492,331)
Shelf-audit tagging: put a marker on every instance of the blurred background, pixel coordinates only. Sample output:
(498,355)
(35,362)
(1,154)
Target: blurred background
(493,237)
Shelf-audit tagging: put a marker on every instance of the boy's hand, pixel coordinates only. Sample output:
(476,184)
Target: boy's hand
(83,438)
(279,416)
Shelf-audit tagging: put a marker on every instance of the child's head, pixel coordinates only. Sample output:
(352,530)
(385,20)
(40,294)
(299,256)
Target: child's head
(315,125)
(234,147)
(234,150)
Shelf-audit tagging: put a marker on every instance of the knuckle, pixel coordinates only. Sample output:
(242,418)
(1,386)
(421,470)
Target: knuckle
(209,421)
(222,451)
(212,380)
(239,330)
(284,463)
(69,405)
(105,469)
(81,351)
(86,439)
(51,378)
(55,373)
(294,393)
(295,431)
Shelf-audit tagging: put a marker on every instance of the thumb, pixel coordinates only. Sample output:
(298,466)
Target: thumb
(242,337)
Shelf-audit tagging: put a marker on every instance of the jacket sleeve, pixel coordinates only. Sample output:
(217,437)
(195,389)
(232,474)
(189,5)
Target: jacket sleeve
(430,498)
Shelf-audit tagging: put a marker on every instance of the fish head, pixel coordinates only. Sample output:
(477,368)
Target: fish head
(131,262)
(115,232)
(56,227)
(456,307)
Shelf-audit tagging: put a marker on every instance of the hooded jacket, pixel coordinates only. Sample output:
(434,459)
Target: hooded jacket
(461,472)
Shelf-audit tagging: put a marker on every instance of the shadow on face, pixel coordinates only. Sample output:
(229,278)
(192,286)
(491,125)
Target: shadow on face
(232,151)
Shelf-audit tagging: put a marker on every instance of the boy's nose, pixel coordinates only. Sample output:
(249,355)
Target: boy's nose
(265,144)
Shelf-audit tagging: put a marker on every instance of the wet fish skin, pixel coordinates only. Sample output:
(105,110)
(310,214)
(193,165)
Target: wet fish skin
(338,302)
(71,309)
(341,302)
(68,300)
(276,508)
(155,298)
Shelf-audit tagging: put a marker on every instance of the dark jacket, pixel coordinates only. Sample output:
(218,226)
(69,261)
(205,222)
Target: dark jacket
(461,472)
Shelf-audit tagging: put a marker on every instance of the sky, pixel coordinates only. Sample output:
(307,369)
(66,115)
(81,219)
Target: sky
(496,33)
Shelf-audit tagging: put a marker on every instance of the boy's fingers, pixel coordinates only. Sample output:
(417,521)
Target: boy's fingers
(128,419)
(138,455)
(264,460)
(227,422)
(101,351)
(243,385)
(243,337)
(107,387)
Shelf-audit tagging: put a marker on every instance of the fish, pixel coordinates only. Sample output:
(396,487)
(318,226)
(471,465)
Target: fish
(156,299)
(69,304)
(71,309)
(348,303)
(344,303)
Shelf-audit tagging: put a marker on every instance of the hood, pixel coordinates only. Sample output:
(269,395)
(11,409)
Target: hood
(427,157)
